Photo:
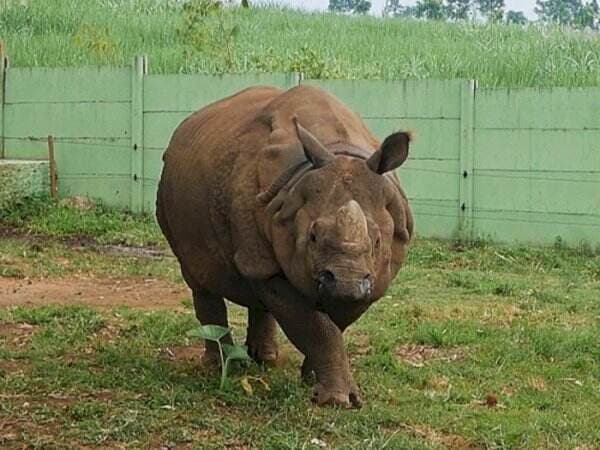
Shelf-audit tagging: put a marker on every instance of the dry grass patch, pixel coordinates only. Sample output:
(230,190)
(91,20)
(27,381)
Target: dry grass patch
(438,437)
(537,383)
(16,335)
(418,355)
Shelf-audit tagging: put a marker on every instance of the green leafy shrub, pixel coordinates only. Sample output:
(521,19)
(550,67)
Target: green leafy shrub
(227,352)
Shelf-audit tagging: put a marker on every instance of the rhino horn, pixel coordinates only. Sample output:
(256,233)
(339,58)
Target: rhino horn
(316,152)
(351,222)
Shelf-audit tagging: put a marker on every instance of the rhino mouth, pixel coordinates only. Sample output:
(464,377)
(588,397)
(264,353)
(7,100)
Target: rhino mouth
(330,289)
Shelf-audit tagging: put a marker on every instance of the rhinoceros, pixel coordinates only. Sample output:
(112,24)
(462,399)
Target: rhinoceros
(284,202)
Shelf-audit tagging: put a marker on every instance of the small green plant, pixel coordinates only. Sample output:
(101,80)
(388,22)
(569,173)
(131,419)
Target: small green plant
(194,28)
(227,352)
(313,64)
(96,40)
(559,243)
(208,29)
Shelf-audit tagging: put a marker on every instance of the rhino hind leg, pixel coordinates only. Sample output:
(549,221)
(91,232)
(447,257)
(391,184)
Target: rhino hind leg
(261,336)
(211,310)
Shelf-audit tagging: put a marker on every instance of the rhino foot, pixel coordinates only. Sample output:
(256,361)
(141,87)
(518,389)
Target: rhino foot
(263,352)
(347,398)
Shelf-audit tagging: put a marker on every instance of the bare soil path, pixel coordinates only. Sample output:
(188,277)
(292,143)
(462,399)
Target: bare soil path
(144,293)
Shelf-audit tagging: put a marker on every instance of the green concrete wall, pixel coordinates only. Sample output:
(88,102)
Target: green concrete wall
(511,165)
(537,164)
(88,111)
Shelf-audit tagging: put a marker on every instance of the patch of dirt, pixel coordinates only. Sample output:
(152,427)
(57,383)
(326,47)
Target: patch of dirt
(489,401)
(157,445)
(145,293)
(8,231)
(236,444)
(200,436)
(438,382)
(16,334)
(125,250)
(61,398)
(9,433)
(20,430)
(110,331)
(449,440)
(187,353)
(12,367)
(78,202)
(419,355)
(11,329)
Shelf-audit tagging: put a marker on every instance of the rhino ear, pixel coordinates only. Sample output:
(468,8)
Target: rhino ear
(315,152)
(392,153)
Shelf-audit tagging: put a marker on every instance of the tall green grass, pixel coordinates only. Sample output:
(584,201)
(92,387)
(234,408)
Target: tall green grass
(271,39)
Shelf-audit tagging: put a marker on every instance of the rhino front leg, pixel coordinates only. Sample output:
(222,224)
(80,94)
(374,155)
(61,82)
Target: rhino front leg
(317,337)
(260,339)
(307,372)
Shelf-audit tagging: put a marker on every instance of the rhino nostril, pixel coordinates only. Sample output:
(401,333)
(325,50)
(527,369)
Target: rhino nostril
(367,284)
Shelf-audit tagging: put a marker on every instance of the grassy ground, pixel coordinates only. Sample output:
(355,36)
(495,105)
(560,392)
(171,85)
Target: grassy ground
(83,32)
(475,346)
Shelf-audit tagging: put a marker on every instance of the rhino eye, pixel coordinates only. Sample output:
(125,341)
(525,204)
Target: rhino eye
(377,243)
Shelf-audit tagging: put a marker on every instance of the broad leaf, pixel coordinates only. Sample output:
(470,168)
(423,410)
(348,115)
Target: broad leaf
(209,332)
(235,352)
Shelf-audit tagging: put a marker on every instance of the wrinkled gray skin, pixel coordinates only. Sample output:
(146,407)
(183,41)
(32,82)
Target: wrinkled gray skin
(309,249)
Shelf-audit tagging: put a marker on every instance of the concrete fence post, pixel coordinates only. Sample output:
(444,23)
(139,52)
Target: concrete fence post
(139,71)
(466,156)
(3,66)
(297,78)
